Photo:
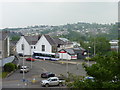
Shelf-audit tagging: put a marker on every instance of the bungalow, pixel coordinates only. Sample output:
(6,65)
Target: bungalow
(67,54)
(72,53)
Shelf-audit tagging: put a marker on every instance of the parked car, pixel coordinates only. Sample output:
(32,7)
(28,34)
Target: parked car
(47,75)
(30,59)
(89,78)
(24,69)
(52,81)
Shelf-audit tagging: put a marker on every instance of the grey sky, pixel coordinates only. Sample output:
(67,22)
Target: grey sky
(51,13)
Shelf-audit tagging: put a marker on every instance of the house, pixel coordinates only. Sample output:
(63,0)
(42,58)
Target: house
(67,54)
(114,45)
(4,44)
(72,53)
(44,43)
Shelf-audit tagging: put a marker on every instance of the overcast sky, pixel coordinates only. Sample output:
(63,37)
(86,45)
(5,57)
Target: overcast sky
(21,14)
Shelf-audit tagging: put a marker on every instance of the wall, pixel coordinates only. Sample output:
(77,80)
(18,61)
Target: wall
(43,41)
(26,50)
(64,56)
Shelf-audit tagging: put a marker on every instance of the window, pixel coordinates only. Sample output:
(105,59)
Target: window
(54,80)
(0,52)
(22,46)
(34,47)
(43,47)
(31,47)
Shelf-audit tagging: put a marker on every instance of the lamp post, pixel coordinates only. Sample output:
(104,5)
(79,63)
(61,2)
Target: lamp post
(88,56)
(94,47)
(31,52)
(23,47)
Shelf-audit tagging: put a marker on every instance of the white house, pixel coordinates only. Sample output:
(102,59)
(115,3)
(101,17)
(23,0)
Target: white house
(67,54)
(44,43)
(114,45)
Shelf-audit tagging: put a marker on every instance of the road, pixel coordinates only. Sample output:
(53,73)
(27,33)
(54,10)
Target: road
(38,67)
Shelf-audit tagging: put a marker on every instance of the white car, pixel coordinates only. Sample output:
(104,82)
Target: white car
(24,69)
(52,81)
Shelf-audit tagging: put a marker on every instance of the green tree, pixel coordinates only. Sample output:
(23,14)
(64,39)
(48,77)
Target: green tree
(105,71)
(15,38)
(9,67)
(101,45)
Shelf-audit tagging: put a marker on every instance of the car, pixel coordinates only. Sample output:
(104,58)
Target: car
(53,81)
(30,59)
(47,75)
(89,78)
(24,69)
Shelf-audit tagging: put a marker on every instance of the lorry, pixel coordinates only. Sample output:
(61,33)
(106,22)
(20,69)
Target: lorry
(53,81)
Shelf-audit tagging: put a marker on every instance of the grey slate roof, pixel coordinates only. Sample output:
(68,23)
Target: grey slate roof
(50,40)
(70,51)
(58,41)
(32,40)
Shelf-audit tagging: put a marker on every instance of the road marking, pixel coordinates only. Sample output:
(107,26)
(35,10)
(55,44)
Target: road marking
(44,69)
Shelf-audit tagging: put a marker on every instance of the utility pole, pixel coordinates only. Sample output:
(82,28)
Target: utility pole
(94,46)
(23,48)
(31,52)
(88,55)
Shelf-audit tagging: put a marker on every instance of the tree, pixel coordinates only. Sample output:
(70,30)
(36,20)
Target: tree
(101,45)
(105,71)
(15,38)
(9,67)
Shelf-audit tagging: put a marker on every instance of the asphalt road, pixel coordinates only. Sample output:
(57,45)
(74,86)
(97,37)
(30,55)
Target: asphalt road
(39,66)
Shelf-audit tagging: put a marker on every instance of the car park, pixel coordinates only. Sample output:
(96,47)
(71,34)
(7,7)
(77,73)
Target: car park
(47,75)
(24,69)
(53,81)
(30,59)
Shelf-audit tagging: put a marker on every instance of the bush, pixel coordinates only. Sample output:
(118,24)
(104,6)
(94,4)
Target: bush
(4,74)
(9,67)
(15,66)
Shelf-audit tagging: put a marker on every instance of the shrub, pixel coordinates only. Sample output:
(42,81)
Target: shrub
(15,66)
(9,67)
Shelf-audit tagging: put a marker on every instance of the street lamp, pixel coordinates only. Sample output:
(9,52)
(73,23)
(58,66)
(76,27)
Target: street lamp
(23,47)
(88,56)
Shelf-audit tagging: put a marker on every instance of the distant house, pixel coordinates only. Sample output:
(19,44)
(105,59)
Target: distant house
(4,44)
(114,45)
(44,43)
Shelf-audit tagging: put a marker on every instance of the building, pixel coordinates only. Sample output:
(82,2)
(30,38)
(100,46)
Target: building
(114,45)
(4,44)
(44,43)
(72,53)
(67,54)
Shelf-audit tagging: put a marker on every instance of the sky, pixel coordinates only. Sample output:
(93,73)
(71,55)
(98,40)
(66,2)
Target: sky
(23,14)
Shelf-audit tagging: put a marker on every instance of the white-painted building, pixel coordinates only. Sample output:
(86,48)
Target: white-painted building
(67,54)
(114,45)
(44,43)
